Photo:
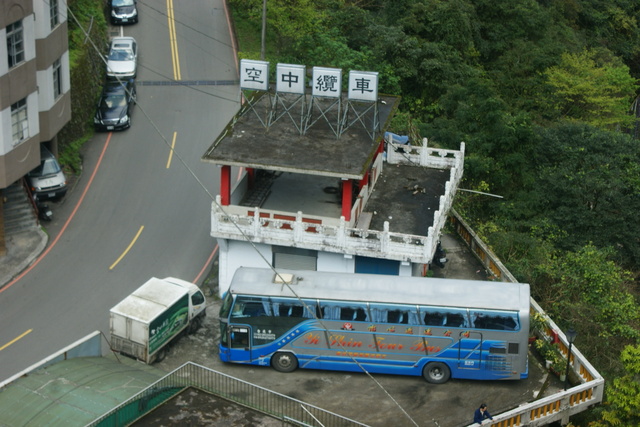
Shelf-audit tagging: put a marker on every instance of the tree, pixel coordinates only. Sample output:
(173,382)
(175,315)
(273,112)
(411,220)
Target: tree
(588,184)
(593,87)
(622,402)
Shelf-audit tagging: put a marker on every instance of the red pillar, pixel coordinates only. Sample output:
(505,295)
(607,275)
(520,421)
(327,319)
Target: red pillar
(225,185)
(347,192)
(364,181)
(251,175)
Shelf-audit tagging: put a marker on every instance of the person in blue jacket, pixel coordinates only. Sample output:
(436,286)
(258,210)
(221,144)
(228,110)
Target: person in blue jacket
(481,414)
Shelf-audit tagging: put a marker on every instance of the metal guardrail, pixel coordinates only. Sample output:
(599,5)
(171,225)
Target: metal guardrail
(290,411)
(560,406)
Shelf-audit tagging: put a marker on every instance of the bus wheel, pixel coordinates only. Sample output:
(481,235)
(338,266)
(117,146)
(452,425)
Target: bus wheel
(284,362)
(436,373)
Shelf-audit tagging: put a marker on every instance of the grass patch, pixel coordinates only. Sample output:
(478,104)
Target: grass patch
(249,38)
(70,156)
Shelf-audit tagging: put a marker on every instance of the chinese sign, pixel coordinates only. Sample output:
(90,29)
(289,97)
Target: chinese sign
(290,78)
(363,85)
(254,75)
(327,82)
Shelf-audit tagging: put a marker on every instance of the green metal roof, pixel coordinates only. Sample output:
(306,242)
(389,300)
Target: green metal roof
(73,392)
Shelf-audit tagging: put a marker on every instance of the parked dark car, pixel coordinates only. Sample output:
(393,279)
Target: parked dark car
(115,106)
(124,12)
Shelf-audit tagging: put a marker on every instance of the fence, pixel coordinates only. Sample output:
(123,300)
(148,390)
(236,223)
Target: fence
(562,405)
(289,411)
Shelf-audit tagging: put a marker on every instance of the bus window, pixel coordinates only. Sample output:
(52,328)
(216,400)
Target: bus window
(225,309)
(290,307)
(378,314)
(290,310)
(336,311)
(434,318)
(397,316)
(504,321)
(353,313)
(455,320)
(249,307)
(239,337)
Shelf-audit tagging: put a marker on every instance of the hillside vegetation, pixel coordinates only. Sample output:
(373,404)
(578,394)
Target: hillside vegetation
(542,93)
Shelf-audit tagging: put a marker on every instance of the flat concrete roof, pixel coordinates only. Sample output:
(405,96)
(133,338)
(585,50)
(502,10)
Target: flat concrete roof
(246,142)
(194,407)
(407,197)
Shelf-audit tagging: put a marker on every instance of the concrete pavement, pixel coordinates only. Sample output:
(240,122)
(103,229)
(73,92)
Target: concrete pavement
(23,248)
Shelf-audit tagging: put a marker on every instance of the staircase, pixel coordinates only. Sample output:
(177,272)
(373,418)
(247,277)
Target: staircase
(256,196)
(18,212)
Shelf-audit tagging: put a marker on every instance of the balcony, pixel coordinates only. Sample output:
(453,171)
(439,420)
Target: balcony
(399,215)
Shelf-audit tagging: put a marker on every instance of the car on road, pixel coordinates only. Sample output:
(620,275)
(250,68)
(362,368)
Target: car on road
(124,12)
(115,106)
(122,60)
(47,181)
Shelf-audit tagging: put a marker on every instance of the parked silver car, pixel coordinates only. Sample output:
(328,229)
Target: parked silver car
(122,60)
(47,181)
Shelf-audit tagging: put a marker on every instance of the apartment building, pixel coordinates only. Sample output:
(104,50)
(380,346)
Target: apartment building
(309,182)
(35,99)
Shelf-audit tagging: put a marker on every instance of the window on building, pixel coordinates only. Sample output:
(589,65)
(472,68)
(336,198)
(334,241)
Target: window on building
(57,78)
(15,43)
(294,258)
(19,121)
(53,11)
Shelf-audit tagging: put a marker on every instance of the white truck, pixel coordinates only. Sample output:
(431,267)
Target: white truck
(145,323)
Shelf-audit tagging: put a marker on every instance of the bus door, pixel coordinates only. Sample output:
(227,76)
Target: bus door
(239,343)
(470,350)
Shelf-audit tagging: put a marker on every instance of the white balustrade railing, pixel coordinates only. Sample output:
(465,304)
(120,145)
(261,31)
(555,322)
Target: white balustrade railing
(561,405)
(337,235)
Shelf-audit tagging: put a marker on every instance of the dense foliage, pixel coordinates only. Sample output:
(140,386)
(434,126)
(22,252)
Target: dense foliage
(541,93)
(87,28)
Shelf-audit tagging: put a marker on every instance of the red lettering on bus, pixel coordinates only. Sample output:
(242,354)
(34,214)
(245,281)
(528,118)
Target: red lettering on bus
(311,339)
(340,340)
(385,346)
(423,346)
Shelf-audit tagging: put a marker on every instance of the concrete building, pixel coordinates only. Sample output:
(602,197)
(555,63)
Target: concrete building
(319,188)
(35,99)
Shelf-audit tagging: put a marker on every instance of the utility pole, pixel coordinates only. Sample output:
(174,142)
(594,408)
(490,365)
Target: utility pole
(264,29)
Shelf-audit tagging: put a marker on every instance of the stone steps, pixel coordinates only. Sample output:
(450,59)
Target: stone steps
(18,211)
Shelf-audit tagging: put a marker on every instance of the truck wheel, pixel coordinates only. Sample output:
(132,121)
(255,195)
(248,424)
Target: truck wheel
(284,362)
(195,325)
(436,372)
(161,355)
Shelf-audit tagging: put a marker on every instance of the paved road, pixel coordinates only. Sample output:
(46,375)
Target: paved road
(135,211)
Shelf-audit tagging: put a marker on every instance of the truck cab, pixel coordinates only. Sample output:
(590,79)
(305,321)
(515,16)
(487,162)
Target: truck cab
(197,302)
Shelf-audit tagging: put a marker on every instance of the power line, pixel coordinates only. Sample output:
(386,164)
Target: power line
(247,239)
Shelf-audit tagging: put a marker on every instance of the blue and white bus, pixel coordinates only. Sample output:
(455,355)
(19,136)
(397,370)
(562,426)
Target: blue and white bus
(437,328)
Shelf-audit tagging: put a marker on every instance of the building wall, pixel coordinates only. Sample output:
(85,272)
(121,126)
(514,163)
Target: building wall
(32,80)
(52,44)
(235,254)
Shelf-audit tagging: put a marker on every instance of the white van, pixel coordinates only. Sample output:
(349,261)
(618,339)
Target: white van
(47,181)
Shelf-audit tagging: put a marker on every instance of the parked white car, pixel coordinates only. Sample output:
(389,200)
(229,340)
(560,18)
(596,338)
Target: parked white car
(122,60)
(47,181)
